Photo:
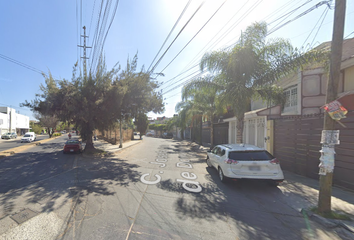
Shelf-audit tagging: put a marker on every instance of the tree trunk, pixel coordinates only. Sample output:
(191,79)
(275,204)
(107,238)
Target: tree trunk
(89,143)
(211,134)
(239,127)
(120,134)
(201,130)
(49,132)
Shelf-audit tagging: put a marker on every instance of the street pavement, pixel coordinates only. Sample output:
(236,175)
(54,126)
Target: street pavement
(151,189)
(6,144)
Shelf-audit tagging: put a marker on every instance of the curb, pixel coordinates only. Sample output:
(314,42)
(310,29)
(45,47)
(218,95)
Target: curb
(110,153)
(330,223)
(120,149)
(15,150)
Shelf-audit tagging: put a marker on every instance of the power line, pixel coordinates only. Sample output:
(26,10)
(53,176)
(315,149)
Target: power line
(327,9)
(179,75)
(298,16)
(279,9)
(234,24)
(110,24)
(289,13)
(23,64)
(228,31)
(194,36)
(93,10)
(181,79)
(95,37)
(315,26)
(179,18)
(215,36)
(183,83)
(157,63)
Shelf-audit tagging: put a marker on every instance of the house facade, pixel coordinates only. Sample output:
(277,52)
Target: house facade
(293,133)
(305,93)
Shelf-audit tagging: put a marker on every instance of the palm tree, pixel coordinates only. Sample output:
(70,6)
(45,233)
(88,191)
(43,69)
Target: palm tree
(199,101)
(250,69)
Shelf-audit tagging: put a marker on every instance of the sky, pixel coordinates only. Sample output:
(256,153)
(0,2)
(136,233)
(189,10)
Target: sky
(43,36)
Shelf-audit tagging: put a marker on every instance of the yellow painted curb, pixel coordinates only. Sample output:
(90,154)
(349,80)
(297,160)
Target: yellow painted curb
(15,150)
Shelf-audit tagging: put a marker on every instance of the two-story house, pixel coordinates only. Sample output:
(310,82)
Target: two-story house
(293,133)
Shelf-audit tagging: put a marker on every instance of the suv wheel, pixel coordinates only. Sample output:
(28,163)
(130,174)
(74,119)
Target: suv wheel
(221,175)
(273,183)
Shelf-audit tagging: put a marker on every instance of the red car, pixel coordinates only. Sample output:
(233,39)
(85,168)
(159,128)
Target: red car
(72,146)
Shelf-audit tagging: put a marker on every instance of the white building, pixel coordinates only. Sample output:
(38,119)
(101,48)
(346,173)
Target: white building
(11,121)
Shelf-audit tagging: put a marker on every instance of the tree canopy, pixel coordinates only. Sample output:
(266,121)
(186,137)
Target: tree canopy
(101,99)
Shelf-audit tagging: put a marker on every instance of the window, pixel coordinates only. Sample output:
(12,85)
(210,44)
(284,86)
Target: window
(215,150)
(250,156)
(290,99)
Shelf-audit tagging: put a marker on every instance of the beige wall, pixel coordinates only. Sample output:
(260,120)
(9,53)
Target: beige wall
(349,79)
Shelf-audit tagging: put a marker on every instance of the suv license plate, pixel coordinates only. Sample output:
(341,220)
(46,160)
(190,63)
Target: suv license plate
(71,150)
(254,168)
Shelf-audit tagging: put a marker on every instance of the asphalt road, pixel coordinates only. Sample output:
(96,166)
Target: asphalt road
(158,189)
(6,144)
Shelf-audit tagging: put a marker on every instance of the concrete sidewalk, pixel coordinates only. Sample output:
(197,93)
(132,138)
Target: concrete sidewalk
(112,148)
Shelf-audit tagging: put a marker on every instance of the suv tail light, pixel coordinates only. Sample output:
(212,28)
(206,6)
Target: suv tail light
(230,161)
(274,161)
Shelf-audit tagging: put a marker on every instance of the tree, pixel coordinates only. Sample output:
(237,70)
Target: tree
(250,69)
(47,121)
(100,100)
(36,127)
(203,101)
(142,123)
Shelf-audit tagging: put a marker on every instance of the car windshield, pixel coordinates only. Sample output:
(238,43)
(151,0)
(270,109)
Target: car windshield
(27,135)
(250,155)
(72,142)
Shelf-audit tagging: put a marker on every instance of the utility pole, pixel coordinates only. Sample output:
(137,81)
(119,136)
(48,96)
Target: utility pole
(330,137)
(84,47)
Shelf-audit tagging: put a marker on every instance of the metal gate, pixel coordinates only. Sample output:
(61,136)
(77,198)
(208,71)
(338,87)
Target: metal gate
(221,133)
(297,144)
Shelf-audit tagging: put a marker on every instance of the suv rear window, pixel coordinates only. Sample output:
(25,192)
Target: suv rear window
(250,156)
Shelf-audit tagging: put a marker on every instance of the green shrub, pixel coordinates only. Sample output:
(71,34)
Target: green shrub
(56,134)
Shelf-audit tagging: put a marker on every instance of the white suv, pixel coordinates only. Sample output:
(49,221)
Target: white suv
(244,161)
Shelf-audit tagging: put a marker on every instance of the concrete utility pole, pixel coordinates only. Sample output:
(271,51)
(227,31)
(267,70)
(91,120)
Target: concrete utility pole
(84,47)
(329,135)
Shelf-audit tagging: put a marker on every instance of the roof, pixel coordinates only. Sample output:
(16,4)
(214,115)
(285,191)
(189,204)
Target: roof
(347,49)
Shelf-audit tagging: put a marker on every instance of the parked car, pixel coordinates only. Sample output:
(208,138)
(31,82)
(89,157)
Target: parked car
(9,135)
(244,161)
(28,137)
(167,135)
(72,146)
(150,134)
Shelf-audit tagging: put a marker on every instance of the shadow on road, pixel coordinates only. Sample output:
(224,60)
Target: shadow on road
(253,209)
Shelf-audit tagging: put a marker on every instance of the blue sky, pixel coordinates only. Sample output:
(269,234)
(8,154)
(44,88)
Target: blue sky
(44,35)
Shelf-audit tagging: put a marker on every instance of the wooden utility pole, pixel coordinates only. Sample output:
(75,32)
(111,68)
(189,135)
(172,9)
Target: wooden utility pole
(325,193)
